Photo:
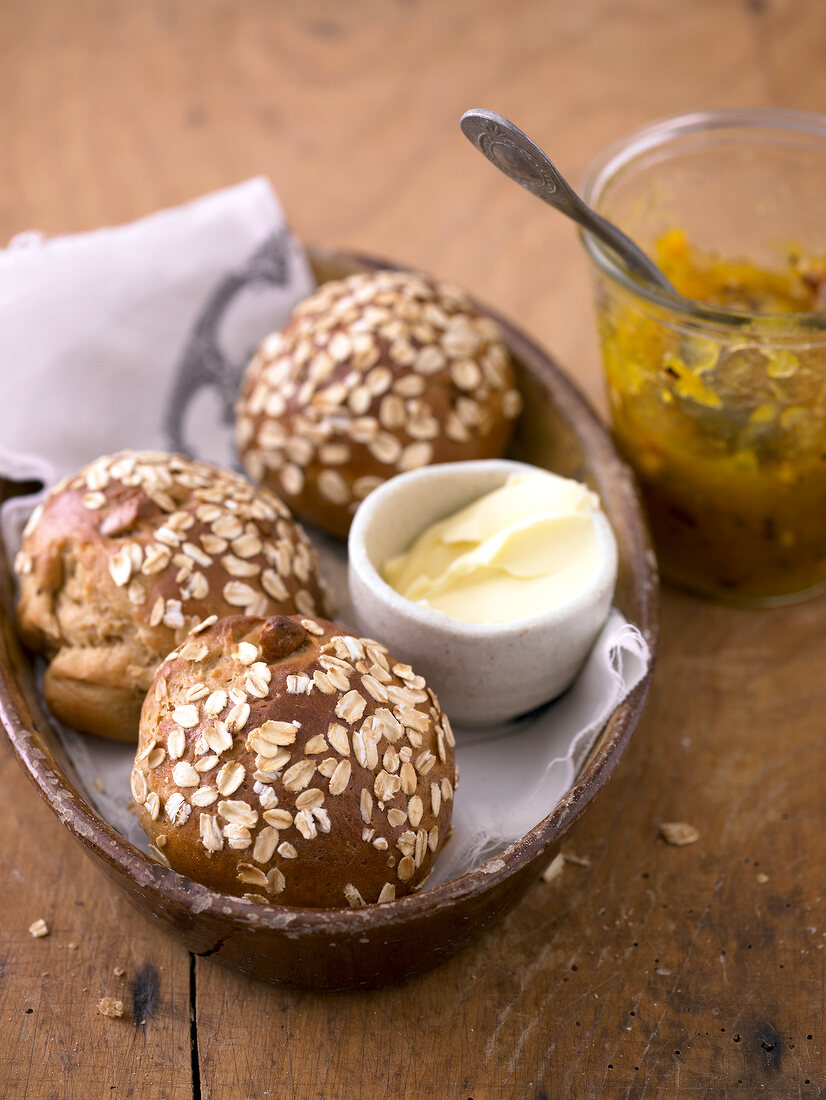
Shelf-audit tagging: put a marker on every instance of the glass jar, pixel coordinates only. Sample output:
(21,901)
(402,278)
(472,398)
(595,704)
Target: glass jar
(721,411)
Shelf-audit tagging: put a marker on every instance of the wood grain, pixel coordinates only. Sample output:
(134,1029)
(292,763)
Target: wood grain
(654,971)
(53,1041)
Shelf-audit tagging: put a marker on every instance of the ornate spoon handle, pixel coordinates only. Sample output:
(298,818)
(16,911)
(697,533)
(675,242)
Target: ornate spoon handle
(513,153)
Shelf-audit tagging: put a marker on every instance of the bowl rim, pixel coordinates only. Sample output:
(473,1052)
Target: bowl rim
(360,562)
(175,889)
(621,154)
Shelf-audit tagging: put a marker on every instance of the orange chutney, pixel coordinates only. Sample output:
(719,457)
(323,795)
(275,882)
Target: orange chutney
(725,424)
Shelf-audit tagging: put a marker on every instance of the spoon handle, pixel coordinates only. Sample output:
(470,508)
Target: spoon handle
(628,251)
(513,153)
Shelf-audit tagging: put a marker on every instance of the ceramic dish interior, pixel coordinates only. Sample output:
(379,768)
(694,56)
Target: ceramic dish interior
(343,948)
(484,673)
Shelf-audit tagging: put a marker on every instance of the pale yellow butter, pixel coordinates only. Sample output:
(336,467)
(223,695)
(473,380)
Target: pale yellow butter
(529,546)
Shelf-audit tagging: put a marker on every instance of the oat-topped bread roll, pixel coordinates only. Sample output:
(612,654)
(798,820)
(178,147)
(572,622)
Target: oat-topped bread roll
(373,375)
(289,759)
(122,560)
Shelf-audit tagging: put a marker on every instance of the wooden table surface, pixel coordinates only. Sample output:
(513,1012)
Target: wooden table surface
(647,970)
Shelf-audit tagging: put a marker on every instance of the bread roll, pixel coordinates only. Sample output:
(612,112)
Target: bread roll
(290,760)
(123,559)
(373,375)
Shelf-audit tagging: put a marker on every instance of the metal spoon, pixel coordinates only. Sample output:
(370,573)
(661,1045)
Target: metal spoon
(513,153)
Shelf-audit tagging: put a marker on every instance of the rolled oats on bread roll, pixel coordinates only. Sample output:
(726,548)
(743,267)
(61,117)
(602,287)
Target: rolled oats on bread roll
(289,759)
(373,375)
(122,560)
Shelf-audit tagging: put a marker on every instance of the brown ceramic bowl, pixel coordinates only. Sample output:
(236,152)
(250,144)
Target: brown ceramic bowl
(344,948)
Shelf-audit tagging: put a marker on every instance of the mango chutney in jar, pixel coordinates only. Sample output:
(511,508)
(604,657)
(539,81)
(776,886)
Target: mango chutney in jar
(725,423)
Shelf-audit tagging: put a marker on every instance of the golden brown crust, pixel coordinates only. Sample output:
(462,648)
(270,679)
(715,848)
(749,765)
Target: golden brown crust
(289,759)
(123,559)
(373,375)
(97,689)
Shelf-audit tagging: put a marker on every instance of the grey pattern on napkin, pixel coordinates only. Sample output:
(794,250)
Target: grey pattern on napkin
(205,362)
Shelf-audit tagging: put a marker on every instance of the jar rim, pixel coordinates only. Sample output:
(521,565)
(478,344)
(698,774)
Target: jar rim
(622,152)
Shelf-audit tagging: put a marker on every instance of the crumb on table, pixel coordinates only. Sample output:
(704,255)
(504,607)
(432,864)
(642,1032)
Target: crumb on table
(38,929)
(108,1006)
(554,868)
(678,833)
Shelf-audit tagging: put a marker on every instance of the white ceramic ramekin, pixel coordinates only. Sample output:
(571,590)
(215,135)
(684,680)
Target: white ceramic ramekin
(483,673)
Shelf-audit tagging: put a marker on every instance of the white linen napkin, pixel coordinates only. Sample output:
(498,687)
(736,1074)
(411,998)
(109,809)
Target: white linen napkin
(137,336)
